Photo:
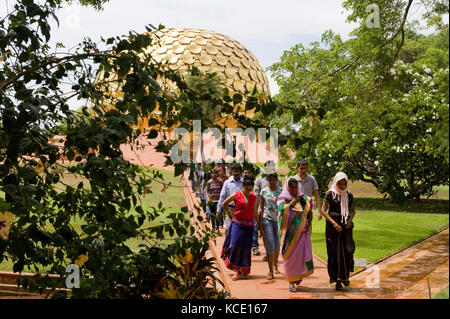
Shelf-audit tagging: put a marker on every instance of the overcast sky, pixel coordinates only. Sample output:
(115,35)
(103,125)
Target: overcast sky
(265,27)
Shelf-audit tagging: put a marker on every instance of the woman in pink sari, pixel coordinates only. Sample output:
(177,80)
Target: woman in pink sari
(294,224)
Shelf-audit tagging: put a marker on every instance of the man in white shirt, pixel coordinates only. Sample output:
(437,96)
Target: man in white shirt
(231,186)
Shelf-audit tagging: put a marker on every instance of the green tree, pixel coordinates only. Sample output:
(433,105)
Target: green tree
(336,90)
(34,100)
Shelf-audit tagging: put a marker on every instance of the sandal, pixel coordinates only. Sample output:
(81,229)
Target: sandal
(292,288)
(270,276)
(235,277)
(276,271)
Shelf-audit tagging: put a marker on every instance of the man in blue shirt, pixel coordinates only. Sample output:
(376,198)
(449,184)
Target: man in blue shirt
(231,186)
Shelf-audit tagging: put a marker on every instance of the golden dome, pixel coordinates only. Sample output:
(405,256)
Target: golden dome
(181,48)
(209,51)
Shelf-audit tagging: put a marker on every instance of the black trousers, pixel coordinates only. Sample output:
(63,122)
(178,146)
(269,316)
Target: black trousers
(214,221)
(340,250)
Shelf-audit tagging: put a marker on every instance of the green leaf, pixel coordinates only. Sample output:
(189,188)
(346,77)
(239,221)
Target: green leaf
(70,155)
(90,229)
(153,134)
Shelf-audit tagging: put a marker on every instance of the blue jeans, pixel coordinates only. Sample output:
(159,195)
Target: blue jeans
(255,243)
(271,236)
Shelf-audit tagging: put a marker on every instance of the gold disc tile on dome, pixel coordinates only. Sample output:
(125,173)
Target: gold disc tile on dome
(206,34)
(230,72)
(217,42)
(178,48)
(187,58)
(172,58)
(205,59)
(194,48)
(211,49)
(249,85)
(200,41)
(173,33)
(235,61)
(243,73)
(226,51)
(238,86)
(161,50)
(190,34)
(260,76)
(253,75)
(220,70)
(169,40)
(254,66)
(184,40)
(238,52)
(229,44)
(221,60)
(238,45)
(157,58)
(173,67)
(219,36)
(245,63)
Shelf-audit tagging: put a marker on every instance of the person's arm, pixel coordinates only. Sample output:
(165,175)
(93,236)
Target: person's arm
(257,189)
(225,204)
(319,206)
(223,196)
(310,219)
(352,213)
(261,208)
(207,185)
(328,217)
(257,217)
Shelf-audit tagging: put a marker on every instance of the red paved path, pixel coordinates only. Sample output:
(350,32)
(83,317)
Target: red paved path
(408,274)
(404,275)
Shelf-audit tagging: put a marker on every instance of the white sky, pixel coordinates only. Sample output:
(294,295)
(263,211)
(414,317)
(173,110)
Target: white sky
(266,28)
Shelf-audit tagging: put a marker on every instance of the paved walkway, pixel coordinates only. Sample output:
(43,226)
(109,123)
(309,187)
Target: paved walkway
(415,272)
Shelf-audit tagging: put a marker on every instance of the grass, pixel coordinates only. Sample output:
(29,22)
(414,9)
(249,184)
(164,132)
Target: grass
(378,233)
(443,294)
(382,227)
(173,199)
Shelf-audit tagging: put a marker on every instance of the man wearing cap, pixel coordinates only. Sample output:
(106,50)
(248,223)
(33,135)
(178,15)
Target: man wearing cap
(308,184)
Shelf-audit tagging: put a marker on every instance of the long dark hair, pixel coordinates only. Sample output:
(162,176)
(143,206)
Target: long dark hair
(292,181)
(248,181)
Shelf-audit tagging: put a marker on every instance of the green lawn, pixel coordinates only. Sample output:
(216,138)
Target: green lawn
(443,294)
(173,199)
(382,228)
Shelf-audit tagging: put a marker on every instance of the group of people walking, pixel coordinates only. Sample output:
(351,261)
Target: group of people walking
(283,214)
